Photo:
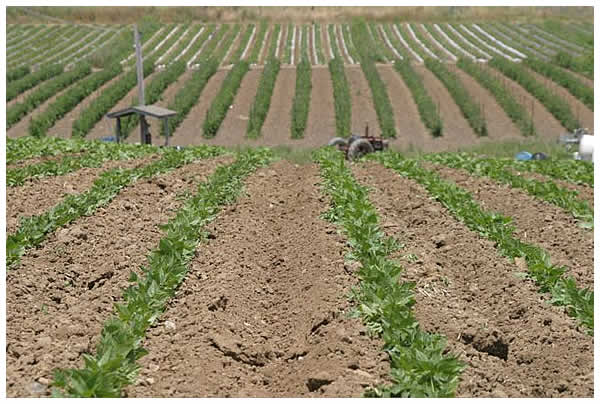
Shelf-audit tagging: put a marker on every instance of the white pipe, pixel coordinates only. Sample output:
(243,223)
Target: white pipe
(465,40)
(189,45)
(332,56)
(498,51)
(439,45)
(249,42)
(278,42)
(429,52)
(442,33)
(341,35)
(399,35)
(389,44)
(175,44)
(498,42)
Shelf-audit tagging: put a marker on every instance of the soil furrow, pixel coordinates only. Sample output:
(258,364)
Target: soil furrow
(64,127)
(233,128)
(546,126)
(516,344)
(40,194)
(456,131)
(320,125)
(189,131)
(263,311)
(536,222)
(410,129)
(61,294)
(277,127)
(363,110)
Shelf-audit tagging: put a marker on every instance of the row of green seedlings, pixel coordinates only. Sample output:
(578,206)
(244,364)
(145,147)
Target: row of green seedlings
(545,190)
(183,43)
(430,50)
(258,43)
(550,279)
(27,147)
(367,55)
(165,78)
(319,55)
(341,97)
(470,110)
(580,64)
(288,50)
(40,47)
(564,79)
(301,101)
(93,157)
(573,171)
(17,87)
(43,92)
(386,53)
(555,104)
(49,53)
(115,363)
(428,111)
(420,366)
(412,44)
(76,41)
(348,42)
(33,230)
(262,100)
(567,31)
(68,100)
(95,45)
(516,111)
(395,42)
(149,45)
(16,74)
(335,50)
(190,92)
(443,42)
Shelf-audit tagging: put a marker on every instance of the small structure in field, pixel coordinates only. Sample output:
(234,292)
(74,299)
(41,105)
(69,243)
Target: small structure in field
(143,111)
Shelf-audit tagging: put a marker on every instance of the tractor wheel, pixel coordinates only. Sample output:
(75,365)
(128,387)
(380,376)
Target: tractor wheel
(337,141)
(359,148)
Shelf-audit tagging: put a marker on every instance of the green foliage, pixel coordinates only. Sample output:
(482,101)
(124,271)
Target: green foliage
(183,43)
(567,32)
(31,80)
(262,101)
(351,46)
(579,90)
(395,42)
(189,94)
(558,107)
(341,97)
(469,48)
(550,279)
(443,41)
(583,64)
(115,364)
(301,102)
(258,42)
(427,109)
(419,365)
(332,42)
(41,46)
(27,147)
(43,92)
(287,51)
(418,49)
(547,191)
(102,104)
(70,99)
(208,30)
(304,51)
(471,111)
(515,110)
(95,157)
(33,230)
(243,43)
(425,41)
(386,53)
(318,45)
(367,55)
(220,53)
(574,171)
(220,104)
(273,45)
(16,74)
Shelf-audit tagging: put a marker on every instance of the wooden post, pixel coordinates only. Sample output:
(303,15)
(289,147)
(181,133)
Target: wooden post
(165,121)
(139,67)
(118,129)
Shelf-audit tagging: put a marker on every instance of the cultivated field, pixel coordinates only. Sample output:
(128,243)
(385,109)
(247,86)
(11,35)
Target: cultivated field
(220,270)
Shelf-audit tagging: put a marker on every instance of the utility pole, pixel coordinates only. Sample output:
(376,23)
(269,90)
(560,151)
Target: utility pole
(144,132)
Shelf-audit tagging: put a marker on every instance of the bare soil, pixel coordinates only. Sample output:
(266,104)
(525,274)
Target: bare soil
(363,110)
(320,126)
(514,343)
(63,292)
(536,221)
(263,311)
(276,129)
(325,43)
(38,195)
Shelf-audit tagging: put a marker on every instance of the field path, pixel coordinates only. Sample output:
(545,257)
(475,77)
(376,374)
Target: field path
(536,221)
(514,343)
(63,292)
(276,129)
(363,109)
(264,309)
(320,126)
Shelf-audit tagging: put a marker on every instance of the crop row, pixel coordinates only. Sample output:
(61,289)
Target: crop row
(365,48)
(262,100)
(27,147)
(198,46)
(115,362)
(319,57)
(70,99)
(439,41)
(470,110)
(258,43)
(301,102)
(427,110)
(386,53)
(474,34)
(220,104)
(423,43)
(17,87)
(550,278)
(556,105)
(243,43)
(74,42)
(347,43)
(182,44)
(16,74)
(545,190)
(583,64)
(43,92)
(42,46)
(563,30)
(94,157)
(490,40)
(420,366)
(287,51)
(48,53)
(225,44)
(459,38)
(516,43)
(341,97)
(275,38)
(574,171)
(394,41)
(332,42)
(515,111)
(551,40)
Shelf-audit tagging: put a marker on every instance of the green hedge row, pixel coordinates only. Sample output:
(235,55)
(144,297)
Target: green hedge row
(262,100)
(341,97)
(301,103)
(17,87)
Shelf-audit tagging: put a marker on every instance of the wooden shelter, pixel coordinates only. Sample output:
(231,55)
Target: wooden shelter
(143,111)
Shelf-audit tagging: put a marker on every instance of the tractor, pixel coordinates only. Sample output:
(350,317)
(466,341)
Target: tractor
(357,146)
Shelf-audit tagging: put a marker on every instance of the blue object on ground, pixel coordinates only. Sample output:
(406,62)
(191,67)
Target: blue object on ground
(109,139)
(523,156)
